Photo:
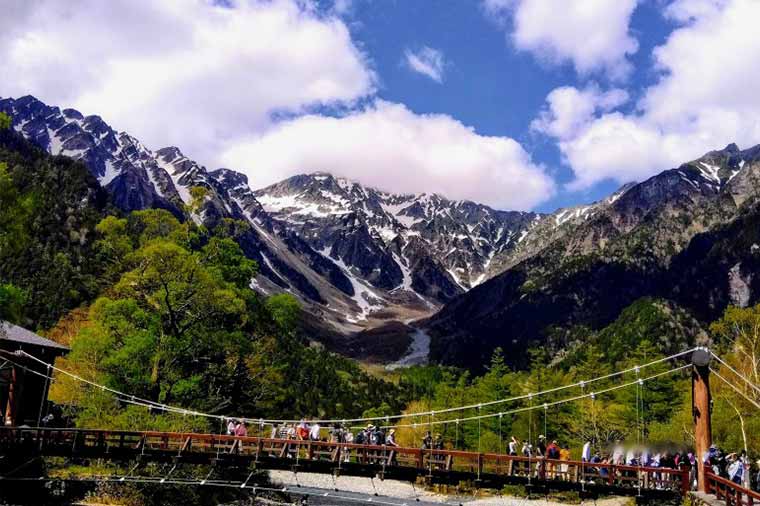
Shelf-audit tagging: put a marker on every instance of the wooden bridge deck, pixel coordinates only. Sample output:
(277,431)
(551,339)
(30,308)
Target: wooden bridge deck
(489,470)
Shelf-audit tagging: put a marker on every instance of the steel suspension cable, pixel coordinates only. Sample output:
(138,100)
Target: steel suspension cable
(168,408)
(741,376)
(553,403)
(737,390)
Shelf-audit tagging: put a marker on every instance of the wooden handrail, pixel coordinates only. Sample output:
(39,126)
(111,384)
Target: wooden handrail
(731,493)
(443,460)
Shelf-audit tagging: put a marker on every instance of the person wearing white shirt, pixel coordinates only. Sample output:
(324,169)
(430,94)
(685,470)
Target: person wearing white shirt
(586,452)
(314,434)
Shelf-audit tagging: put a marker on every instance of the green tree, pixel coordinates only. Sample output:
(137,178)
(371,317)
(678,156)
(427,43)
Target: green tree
(12,300)
(285,311)
(737,336)
(181,299)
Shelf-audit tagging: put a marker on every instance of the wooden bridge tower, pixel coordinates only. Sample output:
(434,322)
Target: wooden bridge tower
(701,408)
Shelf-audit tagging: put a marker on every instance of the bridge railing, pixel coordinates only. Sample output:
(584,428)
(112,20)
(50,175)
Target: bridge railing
(55,441)
(729,492)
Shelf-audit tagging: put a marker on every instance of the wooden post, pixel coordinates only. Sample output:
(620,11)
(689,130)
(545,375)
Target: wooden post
(700,395)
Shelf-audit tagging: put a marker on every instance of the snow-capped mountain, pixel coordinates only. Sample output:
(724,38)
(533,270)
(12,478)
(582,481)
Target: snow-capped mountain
(359,257)
(396,241)
(688,235)
(356,256)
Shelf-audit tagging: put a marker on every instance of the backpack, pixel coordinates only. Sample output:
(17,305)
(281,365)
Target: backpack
(553,452)
(359,439)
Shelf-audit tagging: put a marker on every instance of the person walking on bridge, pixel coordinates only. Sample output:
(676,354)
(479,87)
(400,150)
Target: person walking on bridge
(349,439)
(427,441)
(390,440)
(586,452)
(314,433)
(735,469)
(512,448)
(302,432)
(564,468)
(552,454)
(541,455)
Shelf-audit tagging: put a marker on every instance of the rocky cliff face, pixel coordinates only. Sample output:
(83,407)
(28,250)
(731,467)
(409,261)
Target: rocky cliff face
(422,243)
(688,234)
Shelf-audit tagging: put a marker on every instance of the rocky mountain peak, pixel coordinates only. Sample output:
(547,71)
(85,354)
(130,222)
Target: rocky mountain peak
(230,178)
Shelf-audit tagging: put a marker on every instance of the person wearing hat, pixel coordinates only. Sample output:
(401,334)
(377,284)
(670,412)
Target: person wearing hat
(541,446)
(390,440)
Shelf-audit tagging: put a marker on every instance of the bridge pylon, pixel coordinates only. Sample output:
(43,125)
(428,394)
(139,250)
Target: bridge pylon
(701,410)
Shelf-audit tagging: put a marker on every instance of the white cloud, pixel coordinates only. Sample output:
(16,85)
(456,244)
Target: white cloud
(591,34)
(388,146)
(569,109)
(181,72)
(427,61)
(705,98)
(214,80)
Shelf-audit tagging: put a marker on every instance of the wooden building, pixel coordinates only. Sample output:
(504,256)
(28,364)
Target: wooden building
(23,394)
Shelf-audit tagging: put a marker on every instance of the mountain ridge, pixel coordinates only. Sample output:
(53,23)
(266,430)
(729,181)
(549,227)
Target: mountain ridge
(361,258)
(352,277)
(660,238)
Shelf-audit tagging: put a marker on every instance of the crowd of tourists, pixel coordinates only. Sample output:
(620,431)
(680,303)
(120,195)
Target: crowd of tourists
(552,456)
(736,467)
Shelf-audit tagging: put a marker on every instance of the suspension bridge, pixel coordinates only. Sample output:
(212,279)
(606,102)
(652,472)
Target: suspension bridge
(234,460)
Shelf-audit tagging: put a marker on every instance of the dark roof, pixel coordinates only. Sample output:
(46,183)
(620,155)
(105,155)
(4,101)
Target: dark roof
(16,334)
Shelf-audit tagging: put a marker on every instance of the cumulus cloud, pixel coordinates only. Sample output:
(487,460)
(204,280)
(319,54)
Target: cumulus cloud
(593,35)
(568,110)
(190,73)
(427,61)
(237,83)
(388,146)
(704,99)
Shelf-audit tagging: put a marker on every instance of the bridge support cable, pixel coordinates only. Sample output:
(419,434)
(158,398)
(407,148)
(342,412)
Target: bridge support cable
(173,409)
(737,373)
(530,436)
(501,439)
(163,480)
(735,388)
(132,470)
(639,429)
(45,388)
(533,406)
(210,472)
(432,444)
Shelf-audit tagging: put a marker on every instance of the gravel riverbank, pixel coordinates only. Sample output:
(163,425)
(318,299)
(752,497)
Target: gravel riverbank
(400,493)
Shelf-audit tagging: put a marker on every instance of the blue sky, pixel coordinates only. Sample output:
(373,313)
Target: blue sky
(519,104)
(488,83)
